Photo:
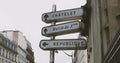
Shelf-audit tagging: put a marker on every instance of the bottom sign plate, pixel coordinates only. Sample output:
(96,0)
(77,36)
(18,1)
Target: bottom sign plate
(63,44)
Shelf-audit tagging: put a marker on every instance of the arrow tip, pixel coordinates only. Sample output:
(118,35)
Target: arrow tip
(44,44)
(45,16)
(45,30)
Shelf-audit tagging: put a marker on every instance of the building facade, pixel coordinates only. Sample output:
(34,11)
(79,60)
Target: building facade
(8,50)
(104,31)
(16,36)
(110,27)
(24,49)
(21,55)
(30,53)
(102,21)
(80,56)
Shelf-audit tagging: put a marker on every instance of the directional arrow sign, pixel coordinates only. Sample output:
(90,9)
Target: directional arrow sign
(70,14)
(44,44)
(64,28)
(63,44)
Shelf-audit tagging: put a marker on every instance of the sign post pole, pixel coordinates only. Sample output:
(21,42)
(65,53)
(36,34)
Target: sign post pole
(52,38)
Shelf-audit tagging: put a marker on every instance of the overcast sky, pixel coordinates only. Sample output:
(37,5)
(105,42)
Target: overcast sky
(25,16)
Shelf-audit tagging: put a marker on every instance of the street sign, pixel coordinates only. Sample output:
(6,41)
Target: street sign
(64,15)
(64,28)
(63,44)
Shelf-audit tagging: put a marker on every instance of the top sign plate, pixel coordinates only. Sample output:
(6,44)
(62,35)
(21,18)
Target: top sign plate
(64,15)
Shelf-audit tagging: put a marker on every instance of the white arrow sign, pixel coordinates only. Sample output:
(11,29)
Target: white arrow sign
(70,14)
(63,44)
(65,28)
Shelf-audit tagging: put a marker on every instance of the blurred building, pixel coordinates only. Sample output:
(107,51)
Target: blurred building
(104,31)
(80,56)
(30,53)
(110,28)
(21,55)
(102,26)
(24,49)
(8,50)
(16,36)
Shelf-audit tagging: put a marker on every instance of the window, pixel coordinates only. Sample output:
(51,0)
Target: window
(11,56)
(7,43)
(10,45)
(0,38)
(4,53)
(3,40)
(2,60)
(13,47)
(6,61)
(14,57)
(0,51)
(107,35)
(8,55)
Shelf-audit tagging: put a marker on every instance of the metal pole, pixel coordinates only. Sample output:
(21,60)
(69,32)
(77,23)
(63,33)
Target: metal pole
(72,57)
(52,38)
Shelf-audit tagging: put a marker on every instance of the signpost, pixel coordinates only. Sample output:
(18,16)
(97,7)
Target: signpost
(52,52)
(65,28)
(63,15)
(60,29)
(63,44)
